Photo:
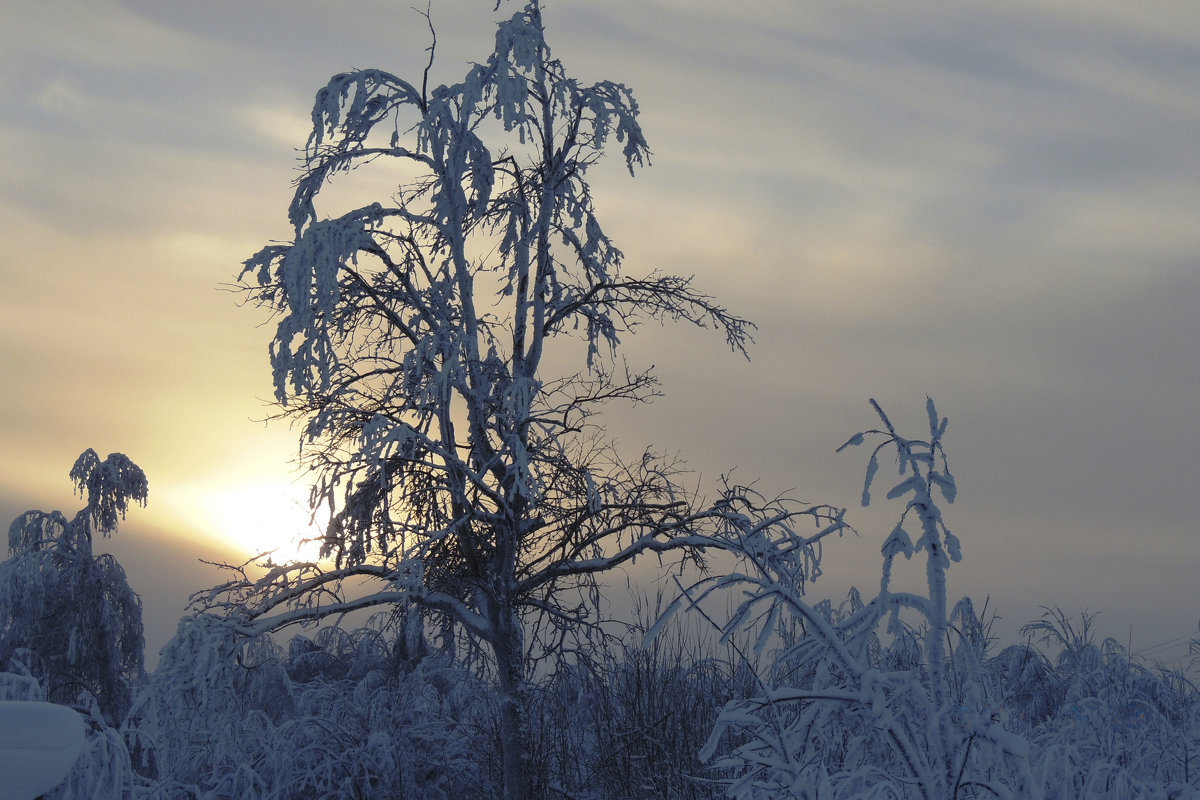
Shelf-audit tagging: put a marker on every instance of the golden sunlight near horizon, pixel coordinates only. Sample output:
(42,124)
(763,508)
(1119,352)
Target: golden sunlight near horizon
(252,517)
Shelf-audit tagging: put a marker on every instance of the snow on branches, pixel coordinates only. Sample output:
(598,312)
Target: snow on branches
(459,476)
(69,615)
(845,710)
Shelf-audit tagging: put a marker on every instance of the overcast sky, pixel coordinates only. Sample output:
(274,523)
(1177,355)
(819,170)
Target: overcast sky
(992,203)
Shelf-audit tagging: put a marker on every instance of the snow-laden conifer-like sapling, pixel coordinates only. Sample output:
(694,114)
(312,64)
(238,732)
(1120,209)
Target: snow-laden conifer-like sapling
(886,698)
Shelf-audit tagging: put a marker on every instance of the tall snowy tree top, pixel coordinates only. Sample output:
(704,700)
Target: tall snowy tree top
(498,192)
(108,486)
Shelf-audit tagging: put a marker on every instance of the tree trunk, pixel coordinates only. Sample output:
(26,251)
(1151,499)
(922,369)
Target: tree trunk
(514,721)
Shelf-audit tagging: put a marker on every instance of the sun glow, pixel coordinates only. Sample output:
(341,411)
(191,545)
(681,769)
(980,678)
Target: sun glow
(269,517)
(253,517)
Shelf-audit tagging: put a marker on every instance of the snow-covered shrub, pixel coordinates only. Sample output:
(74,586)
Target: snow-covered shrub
(885,698)
(336,715)
(205,709)
(21,687)
(378,737)
(899,697)
(103,770)
(1111,724)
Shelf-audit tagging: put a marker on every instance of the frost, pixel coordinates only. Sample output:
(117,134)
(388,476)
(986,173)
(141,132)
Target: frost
(463,483)
(66,615)
(478,511)
(108,486)
(898,543)
(836,693)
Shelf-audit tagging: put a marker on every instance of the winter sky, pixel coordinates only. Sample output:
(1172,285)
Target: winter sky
(992,203)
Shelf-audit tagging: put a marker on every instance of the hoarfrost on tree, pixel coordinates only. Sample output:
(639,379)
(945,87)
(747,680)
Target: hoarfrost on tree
(840,713)
(461,478)
(67,614)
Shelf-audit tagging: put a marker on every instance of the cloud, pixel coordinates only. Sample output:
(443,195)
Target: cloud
(105,34)
(991,203)
(279,127)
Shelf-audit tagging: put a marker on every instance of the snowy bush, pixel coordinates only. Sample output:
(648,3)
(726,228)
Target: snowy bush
(336,715)
(1107,725)
(899,696)
(883,698)
(102,770)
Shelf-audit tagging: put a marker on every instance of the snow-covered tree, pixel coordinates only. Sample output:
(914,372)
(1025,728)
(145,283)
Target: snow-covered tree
(463,476)
(68,616)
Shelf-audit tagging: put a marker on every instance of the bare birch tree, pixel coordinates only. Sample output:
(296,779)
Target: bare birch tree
(461,479)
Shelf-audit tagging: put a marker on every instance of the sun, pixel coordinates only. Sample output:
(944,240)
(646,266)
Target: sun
(252,517)
(267,516)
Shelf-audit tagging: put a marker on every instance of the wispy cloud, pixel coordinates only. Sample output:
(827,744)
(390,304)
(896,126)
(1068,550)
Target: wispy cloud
(993,203)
